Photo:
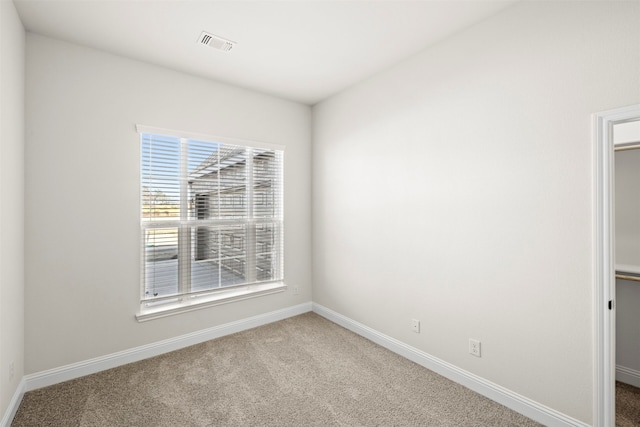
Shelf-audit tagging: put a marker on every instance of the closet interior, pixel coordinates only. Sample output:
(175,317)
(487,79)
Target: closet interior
(627,265)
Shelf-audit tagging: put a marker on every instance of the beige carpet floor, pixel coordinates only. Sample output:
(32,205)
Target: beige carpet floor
(627,405)
(302,371)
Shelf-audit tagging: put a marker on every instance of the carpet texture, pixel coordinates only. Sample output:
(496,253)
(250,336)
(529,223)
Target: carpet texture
(627,405)
(302,371)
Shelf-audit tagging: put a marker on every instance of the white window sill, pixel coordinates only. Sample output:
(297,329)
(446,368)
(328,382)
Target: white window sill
(204,301)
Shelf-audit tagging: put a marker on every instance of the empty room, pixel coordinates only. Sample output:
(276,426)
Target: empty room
(355,213)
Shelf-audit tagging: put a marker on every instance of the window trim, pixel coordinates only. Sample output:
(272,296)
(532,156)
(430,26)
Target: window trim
(218,296)
(208,137)
(224,296)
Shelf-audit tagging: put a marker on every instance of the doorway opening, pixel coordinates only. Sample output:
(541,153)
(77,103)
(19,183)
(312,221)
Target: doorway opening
(604,273)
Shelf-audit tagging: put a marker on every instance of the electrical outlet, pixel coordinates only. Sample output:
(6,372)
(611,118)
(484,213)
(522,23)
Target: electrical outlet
(295,290)
(11,371)
(474,347)
(415,325)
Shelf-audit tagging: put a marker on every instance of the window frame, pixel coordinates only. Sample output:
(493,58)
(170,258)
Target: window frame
(186,299)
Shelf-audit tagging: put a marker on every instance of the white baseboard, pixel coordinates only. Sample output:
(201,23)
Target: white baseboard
(527,407)
(628,375)
(13,405)
(92,366)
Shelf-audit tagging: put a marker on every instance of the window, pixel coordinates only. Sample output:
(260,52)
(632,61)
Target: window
(211,222)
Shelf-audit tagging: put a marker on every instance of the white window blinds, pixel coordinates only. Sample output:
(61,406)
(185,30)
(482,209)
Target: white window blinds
(211,218)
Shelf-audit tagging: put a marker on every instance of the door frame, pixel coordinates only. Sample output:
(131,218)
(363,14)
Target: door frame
(604,265)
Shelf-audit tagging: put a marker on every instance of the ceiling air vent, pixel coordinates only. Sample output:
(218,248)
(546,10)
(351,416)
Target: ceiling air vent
(216,42)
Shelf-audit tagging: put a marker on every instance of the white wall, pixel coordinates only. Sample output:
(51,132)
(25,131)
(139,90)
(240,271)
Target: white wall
(627,200)
(12,51)
(626,132)
(82,195)
(627,331)
(456,188)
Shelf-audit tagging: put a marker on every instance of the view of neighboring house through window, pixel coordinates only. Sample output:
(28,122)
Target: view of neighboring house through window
(211,218)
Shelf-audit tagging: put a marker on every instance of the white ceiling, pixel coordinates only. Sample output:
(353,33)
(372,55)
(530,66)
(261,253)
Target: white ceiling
(300,50)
